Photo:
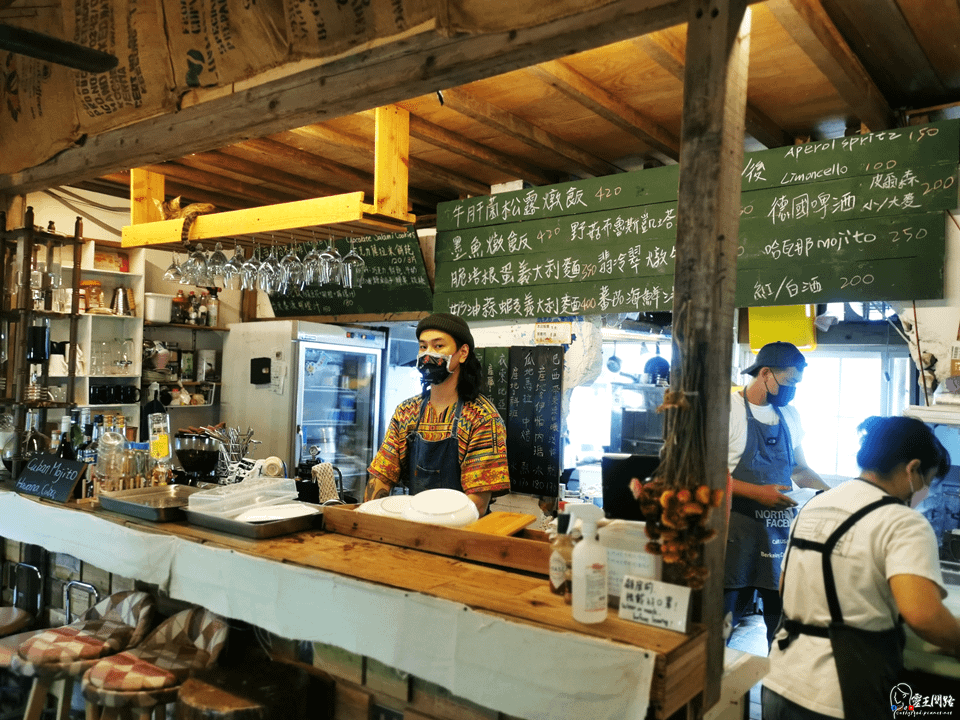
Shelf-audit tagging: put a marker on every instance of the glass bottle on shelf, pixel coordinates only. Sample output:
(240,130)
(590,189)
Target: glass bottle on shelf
(34,442)
(65,450)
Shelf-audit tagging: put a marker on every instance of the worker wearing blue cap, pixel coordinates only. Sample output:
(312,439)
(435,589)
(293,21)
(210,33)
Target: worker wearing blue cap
(765,459)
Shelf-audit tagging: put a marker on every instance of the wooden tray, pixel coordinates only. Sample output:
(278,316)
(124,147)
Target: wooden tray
(530,553)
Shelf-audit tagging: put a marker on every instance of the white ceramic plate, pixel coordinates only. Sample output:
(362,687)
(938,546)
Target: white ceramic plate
(442,506)
(394,505)
(276,512)
(371,507)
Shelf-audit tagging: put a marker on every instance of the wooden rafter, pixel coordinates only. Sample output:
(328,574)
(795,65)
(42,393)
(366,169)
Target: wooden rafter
(667,49)
(225,164)
(506,123)
(318,135)
(604,103)
(502,162)
(204,180)
(811,28)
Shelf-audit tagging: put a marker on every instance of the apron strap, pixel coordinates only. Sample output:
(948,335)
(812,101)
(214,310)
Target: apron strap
(794,627)
(830,585)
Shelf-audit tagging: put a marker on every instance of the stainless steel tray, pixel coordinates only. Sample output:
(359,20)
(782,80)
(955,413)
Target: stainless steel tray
(256,531)
(160,504)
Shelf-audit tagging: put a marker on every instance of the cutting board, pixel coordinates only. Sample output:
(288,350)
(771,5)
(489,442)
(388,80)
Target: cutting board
(501,523)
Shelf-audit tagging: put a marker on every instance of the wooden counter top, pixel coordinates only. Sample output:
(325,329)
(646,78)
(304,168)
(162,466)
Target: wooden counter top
(524,597)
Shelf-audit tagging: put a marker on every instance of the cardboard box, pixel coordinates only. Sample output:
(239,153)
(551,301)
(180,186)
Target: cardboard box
(955,359)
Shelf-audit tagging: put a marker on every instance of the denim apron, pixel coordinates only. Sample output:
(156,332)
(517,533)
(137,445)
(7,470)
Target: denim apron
(869,662)
(434,463)
(758,535)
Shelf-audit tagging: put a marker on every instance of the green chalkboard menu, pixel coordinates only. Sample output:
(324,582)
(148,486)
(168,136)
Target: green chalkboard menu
(857,218)
(395,280)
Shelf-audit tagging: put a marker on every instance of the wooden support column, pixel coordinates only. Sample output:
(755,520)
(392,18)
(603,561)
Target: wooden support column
(146,190)
(391,163)
(711,159)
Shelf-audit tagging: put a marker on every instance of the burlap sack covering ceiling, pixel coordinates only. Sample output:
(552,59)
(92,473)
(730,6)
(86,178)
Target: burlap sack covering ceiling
(167,48)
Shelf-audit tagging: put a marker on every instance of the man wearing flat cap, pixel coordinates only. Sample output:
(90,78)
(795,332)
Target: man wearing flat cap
(450,436)
(765,459)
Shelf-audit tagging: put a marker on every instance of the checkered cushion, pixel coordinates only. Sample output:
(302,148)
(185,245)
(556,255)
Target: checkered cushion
(107,628)
(11,644)
(151,673)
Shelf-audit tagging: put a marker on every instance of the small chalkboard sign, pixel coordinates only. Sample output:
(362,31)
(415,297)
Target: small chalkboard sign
(50,477)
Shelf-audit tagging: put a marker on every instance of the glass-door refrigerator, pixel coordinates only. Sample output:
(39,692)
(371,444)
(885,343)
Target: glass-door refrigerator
(306,386)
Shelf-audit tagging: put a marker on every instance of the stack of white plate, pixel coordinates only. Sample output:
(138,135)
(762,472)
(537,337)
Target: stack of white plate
(441,506)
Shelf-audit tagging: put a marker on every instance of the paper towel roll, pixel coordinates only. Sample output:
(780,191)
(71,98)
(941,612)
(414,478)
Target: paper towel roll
(273,466)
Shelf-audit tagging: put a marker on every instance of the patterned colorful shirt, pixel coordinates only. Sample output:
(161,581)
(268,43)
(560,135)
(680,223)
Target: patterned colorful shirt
(482,439)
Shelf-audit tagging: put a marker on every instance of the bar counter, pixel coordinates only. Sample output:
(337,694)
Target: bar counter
(496,637)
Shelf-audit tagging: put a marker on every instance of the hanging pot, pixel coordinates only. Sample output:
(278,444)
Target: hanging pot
(613,363)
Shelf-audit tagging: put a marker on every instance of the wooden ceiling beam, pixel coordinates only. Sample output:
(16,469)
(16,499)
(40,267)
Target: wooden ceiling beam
(483,154)
(312,139)
(581,89)
(118,185)
(245,170)
(219,183)
(419,169)
(666,49)
(354,179)
(812,29)
(506,123)
(399,69)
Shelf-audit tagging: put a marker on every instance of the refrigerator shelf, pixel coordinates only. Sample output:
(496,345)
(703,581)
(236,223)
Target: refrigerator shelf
(331,388)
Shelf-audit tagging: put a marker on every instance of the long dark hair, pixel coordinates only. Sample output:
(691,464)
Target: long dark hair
(471,378)
(888,441)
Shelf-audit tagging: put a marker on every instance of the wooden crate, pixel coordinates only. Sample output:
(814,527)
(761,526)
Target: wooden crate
(527,551)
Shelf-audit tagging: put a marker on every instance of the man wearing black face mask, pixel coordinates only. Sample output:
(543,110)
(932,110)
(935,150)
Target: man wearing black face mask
(765,459)
(450,436)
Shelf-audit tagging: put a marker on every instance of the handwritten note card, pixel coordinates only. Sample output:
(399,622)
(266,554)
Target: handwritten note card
(656,603)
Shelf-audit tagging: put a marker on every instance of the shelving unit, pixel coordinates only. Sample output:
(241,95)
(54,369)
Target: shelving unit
(190,338)
(23,304)
(101,335)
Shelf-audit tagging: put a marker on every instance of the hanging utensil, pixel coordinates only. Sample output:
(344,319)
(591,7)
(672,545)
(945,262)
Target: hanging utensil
(613,363)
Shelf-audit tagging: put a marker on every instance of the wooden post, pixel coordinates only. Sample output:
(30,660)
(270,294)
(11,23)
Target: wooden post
(146,190)
(711,158)
(391,161)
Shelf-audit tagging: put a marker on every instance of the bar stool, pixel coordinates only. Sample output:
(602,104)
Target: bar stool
(145,678)
(16,618)
(65,653)
(22,614)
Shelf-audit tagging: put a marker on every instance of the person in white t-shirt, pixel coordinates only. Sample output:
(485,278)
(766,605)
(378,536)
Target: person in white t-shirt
(765,459)
(859,557)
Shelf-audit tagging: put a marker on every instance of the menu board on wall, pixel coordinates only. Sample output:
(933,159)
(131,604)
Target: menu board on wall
(533,420)
(394,280)
(854,218)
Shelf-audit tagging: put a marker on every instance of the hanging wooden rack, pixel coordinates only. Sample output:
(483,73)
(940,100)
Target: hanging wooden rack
(344,215)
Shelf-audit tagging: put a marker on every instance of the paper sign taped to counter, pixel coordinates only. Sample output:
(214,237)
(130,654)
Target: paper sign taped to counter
(656,603)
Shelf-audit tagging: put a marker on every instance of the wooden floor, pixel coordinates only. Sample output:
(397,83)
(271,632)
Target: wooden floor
(751,636)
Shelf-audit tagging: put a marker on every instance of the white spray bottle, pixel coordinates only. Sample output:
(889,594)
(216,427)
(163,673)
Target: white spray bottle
(589,567)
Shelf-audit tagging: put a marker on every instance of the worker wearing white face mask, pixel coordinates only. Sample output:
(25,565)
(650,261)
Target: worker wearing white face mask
(450,436)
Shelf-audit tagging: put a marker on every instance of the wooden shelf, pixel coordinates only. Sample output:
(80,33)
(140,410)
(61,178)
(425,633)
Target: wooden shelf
(184,326)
